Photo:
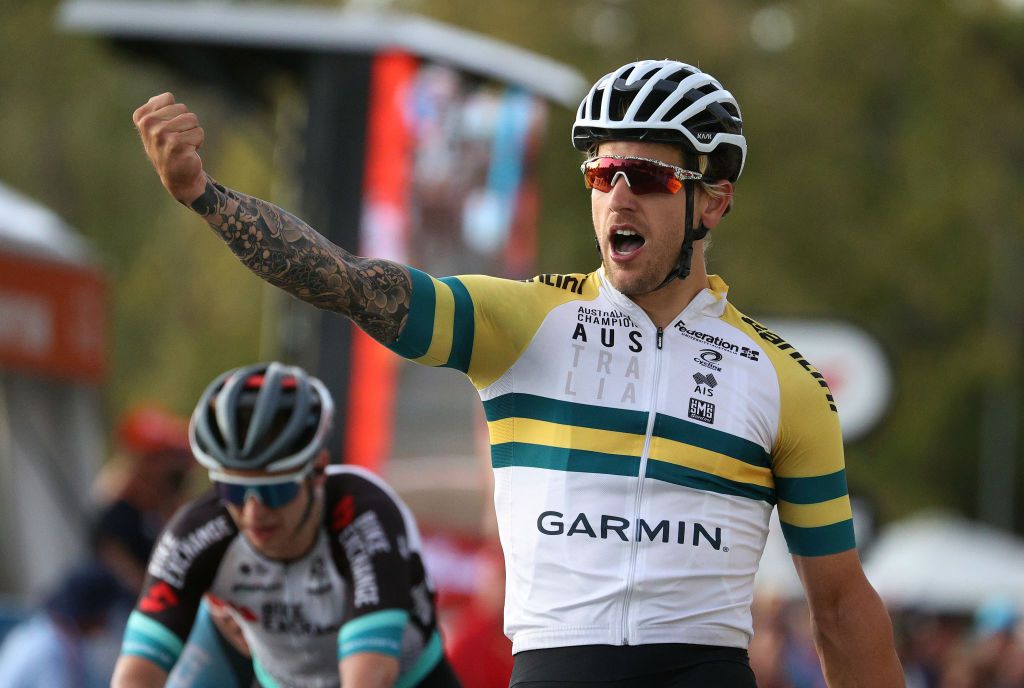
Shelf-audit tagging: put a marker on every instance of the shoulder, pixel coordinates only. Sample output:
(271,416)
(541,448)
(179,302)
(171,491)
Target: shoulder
(799,381)
(199,530)
(486,290)
(203,510)
(350,491)
(347,480)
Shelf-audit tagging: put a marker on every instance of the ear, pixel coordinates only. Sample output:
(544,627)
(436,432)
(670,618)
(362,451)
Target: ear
(714,208)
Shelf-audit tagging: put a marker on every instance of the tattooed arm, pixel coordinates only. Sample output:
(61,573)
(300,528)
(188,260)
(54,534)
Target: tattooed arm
(277,246)
(288,253)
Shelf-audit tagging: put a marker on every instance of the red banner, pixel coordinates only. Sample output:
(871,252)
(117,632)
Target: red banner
(52,319)
(384,235)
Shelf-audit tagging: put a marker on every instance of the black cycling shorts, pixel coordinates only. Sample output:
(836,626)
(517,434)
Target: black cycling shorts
(660,665)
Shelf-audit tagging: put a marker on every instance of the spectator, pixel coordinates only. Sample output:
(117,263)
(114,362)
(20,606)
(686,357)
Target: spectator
(998,651)
(50,649)
(140,489)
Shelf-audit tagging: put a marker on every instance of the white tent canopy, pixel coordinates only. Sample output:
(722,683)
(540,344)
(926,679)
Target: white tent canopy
(51,431)
(944,563)
(29,228)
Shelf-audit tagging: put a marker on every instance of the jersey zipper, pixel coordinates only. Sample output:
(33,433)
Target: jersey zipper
(635,544)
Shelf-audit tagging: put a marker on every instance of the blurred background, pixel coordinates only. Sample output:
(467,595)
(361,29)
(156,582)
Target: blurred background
(877,225)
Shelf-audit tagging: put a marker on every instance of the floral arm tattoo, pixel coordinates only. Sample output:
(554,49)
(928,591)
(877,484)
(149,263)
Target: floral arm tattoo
(288,253)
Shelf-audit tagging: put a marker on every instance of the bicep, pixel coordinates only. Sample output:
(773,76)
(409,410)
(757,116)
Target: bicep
(132,671)
(833,580)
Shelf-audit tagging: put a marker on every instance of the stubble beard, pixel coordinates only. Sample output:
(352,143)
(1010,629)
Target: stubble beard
(635,283)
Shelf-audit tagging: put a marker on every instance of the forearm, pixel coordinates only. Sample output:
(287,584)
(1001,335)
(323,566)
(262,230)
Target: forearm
(136,672)
(368,670)
(285,251)
(855,642)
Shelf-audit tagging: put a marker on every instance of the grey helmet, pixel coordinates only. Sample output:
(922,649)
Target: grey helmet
(664,101)
(261,423)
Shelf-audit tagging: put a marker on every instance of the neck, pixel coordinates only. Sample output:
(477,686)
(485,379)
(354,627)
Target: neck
(663,305)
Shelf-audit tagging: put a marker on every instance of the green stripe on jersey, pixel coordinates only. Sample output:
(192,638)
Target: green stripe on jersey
(812,490)
(816,542)
(699,480)
(518,405)
(144,637)
(379,631)
(672,428)
(463,326)
(419,328)
(428,659)
(263,677)
(509,454)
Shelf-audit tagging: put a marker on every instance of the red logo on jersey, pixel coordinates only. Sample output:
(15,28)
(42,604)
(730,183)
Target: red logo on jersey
(247,614)
(159,598)
(343,513)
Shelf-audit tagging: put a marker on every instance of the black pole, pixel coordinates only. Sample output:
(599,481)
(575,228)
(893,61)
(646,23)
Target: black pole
(338,91)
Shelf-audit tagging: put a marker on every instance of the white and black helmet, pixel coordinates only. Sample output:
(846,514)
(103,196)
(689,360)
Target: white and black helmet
(261,423)
(664,101)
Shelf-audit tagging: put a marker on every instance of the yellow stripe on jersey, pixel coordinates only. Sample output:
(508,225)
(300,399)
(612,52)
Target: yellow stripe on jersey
(509,313)
(548,434)
(697,458)
(444,316)
(815,515)
(481,325)
(807,455)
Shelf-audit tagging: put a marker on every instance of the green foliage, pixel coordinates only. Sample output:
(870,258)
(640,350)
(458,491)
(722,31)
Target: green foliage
(885,160)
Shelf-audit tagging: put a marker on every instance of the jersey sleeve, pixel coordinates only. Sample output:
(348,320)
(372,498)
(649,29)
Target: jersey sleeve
(181,569)
(372,553)
(808,464)
(478,324)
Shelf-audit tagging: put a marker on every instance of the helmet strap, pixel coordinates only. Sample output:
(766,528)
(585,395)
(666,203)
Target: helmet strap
(308,511)
(690,235)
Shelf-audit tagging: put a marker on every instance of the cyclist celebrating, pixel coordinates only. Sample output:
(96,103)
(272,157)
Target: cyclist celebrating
(642,428)
(320,567)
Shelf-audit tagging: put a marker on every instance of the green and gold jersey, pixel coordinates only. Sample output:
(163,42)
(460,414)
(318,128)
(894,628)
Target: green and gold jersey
(635,467)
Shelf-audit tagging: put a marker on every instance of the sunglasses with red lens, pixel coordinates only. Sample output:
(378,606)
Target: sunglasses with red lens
(642,175)
(271,495)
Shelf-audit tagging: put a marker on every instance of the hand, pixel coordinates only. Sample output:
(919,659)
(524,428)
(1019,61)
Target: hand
(172,137)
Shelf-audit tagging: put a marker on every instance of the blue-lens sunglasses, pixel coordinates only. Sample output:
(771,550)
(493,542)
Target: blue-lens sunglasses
(271,495)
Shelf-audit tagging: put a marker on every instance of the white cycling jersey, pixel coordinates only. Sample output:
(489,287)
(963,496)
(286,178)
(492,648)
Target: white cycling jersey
(635,468)
(361,588)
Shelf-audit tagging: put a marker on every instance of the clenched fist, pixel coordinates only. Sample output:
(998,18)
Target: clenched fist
(172,137)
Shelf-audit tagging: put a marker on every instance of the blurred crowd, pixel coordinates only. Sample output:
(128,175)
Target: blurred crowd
(983,649)
(72,637)
(938,650)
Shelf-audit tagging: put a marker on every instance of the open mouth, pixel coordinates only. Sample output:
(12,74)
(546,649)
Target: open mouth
(261,533)
(626,242)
